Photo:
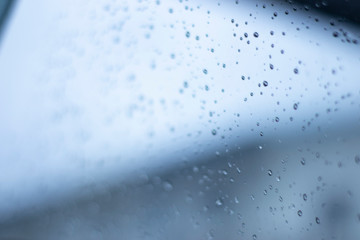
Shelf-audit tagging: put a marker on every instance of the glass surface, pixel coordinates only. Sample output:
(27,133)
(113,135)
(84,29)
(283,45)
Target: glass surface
(179,120)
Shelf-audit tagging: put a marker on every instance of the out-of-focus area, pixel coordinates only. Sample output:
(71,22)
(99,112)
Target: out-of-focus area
(179,120)
(5,10)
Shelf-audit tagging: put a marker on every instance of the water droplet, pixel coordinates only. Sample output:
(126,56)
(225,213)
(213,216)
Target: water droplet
(211,234)
(205,71)
(265,83)
(277,119)
(295,106)
(213,132)
(189,198)
(357,159)
(299,213)
(205,208)
(303,161)
(187,34)
(167,186)
(296,71)
(256,34)
(269,172)
(304,196)
(317,220)
(278,178)
(254,236)
(219,202)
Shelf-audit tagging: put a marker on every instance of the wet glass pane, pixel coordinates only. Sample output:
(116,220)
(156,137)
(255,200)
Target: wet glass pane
(180,120)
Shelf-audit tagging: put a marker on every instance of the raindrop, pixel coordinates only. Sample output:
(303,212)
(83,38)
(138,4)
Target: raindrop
(205,71)
(168,187)
(254,236)
(299,213)
(317,220)
(302,161)
(304,196)
(357,159)
(295,106)
(187,34)
(265,83)
(219,202)
(269,172)
(213,132)
(256,34)
(296,71)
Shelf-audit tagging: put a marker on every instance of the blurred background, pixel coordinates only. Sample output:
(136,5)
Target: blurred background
(179,119)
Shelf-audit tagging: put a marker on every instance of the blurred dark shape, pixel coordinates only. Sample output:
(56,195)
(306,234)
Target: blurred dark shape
(345,10)
(5,8)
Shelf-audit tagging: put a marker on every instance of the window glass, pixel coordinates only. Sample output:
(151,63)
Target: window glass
(179,120)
